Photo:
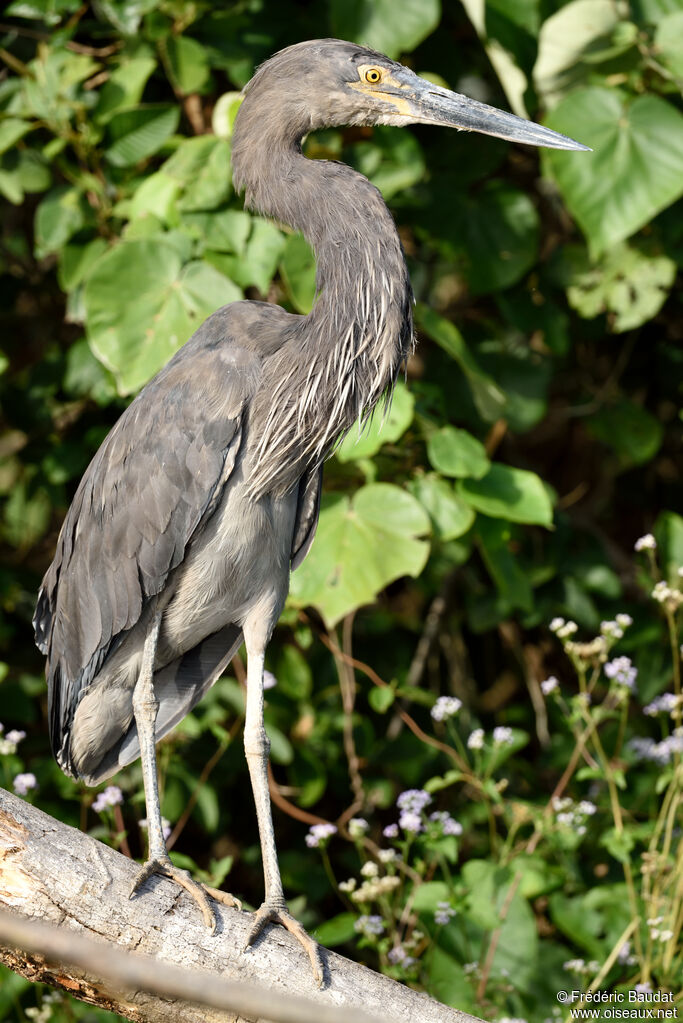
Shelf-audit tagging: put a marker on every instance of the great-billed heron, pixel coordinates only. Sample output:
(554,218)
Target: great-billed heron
(204,497)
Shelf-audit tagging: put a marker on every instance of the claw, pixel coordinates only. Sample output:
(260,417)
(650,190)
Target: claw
(199,892)
(272,914)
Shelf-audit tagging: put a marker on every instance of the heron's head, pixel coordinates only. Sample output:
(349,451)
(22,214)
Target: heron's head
(327,82)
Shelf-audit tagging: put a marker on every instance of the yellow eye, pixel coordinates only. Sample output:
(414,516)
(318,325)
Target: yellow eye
(373,75)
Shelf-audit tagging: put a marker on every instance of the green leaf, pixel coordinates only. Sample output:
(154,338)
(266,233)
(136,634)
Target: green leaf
(157,195)
(392,159)
(258,262)
(383,428)
(225,113)
(668,531)
(293,673)
(22,171)
(75,262)
(60,215)
(336,931)
(188,63)
(447,980)
(454,452)
(11,130)
(488,397)
(630,430)
(496,233)
(508,493)
(381,699)
(224,231)
(165,302)
(139,133)
(628,284)
(451,516)
(576,31)
(669,42)
(635,171)
(298,272)
(49,11)
(512,581)
(390,26)
(126,83)
(361,545)
(429,894)
(125,15)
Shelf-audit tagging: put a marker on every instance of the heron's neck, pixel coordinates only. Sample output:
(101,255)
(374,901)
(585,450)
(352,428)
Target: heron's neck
(349,349)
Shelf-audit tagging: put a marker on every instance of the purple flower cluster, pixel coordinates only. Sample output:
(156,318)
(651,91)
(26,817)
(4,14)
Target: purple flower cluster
(622,672)
(369,926)
(449,826)
(399,957)
(657,752)
(111,796)
(666,703)
(412,803)
(24,783)
(443,913)
(319,835)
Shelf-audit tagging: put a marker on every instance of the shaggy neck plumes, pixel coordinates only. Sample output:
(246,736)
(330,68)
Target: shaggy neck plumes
(347,352)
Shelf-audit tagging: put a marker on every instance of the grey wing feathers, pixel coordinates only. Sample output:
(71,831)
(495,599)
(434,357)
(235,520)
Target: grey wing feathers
(157,476)
(308,509)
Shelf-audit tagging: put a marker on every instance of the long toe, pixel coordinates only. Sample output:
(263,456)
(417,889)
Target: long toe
(198,892)
(273,914)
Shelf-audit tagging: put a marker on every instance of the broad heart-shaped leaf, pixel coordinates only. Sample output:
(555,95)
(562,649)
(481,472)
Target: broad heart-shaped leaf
(488,397)
(362,544)
(142,304)
(139,133)
(572,33)
(390,26)
(628,284)
(456,452)
(298,272)
(383,428)
(636,168)
(509,493)
(450,515)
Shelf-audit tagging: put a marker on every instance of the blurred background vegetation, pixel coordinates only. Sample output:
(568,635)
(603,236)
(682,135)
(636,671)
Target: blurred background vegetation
(538,437)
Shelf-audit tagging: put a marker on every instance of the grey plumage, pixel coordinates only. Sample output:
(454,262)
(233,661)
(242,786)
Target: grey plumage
(184,529)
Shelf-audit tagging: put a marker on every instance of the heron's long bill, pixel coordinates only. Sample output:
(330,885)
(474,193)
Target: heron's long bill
(433,105)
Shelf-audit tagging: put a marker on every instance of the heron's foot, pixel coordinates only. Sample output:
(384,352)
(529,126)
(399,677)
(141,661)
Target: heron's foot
(199,892)
(280,915)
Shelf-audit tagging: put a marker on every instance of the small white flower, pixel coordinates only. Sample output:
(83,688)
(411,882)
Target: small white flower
(391,831)
(476,739)
(549,685)
(348,886)
(387,856)
(567,630)
(624,620)
(165,826)
(369,869)
(357,827)
(446,707)
(503,736)
(369,926)
(645,543)
(556,624)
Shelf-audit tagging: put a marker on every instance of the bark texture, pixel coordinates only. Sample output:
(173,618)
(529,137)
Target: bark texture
(54,873)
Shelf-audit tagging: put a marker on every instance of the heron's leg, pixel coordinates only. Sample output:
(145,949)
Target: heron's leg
(145,708)
(257,747)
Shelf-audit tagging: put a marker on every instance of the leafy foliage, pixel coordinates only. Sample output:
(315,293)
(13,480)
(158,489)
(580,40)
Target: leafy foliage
(537,436)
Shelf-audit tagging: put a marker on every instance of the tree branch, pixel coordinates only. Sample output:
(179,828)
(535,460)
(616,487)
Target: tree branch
(53,873)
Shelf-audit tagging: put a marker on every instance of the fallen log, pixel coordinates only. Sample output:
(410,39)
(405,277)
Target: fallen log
(55,874)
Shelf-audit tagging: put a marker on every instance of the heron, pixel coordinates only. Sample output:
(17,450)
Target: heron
(205,495)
